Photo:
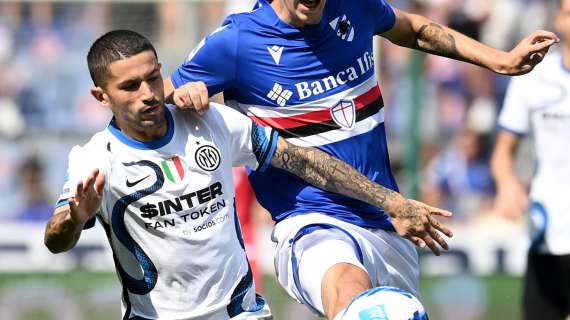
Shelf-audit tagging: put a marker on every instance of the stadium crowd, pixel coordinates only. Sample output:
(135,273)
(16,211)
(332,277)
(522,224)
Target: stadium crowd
(46,108)
(45,102)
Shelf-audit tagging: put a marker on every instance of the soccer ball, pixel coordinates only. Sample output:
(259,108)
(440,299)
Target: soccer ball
(384,303)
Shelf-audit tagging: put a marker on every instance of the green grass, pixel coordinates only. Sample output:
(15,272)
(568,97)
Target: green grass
(97,296)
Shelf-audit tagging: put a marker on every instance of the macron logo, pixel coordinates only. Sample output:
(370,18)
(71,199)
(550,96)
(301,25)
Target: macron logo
(279,95)
(275,52)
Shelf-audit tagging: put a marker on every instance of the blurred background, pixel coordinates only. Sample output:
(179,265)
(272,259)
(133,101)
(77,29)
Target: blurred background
(440,122)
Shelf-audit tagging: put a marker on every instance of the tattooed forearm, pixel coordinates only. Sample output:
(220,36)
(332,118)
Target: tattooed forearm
(334,175)
(435,39)
(61,233)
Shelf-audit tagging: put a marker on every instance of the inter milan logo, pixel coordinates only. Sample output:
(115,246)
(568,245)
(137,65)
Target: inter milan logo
(343,28)
(344,114)
(208,158)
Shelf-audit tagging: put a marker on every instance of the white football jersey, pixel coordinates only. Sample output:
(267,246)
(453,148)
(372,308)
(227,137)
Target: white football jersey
(169,212)
(539,103)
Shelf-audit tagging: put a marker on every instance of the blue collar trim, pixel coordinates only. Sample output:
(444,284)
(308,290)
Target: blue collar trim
(152,145)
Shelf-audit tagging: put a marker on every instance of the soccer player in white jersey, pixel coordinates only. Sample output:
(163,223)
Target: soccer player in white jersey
(159,180)
(306,68)
(539,104)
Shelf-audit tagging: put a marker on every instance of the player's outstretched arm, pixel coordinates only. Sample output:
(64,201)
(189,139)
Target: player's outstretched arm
(418,32)
(64,228)
(412,219)
(511,199)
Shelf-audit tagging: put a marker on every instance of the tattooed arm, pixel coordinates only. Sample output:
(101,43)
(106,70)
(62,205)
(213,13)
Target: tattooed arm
(412,219)
(418,32)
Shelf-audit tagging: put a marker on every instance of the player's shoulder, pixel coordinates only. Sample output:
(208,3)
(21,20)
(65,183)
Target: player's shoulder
(259,17)
(218,118)
(224,113)
(94,150)
(552,63)
(549,67)
(96,143)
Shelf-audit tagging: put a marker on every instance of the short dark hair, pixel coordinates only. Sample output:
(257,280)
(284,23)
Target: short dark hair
(112,46)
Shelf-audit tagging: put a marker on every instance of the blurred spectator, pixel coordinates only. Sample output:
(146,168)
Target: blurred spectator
(43,45)
(459,178)
(36,207)
(237,6)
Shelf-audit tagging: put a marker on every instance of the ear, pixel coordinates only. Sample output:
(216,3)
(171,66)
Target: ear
(99,94)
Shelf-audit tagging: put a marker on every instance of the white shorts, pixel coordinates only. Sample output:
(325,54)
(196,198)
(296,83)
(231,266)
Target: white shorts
(308,245)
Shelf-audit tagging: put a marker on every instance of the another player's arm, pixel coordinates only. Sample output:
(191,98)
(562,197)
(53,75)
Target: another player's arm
(64,228)
(419,32)
(502,160)
(412,219)
(511,197)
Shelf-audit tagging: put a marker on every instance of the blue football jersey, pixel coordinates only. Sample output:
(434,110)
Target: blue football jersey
(316,85)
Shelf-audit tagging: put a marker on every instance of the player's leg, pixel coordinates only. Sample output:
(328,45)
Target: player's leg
(324,263)
(547,287)
(389,260)
(340,284)
(565,260)
(307,247)
(329,270)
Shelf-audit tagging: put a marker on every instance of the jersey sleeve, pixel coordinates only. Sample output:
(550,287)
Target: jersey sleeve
(515,114)
(81,162)
(213,61)
(250,144)
(383,15)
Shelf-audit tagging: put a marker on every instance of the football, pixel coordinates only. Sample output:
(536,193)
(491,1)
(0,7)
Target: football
(384,303)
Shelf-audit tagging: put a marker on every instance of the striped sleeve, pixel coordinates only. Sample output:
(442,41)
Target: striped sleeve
(249,144)
(264,143)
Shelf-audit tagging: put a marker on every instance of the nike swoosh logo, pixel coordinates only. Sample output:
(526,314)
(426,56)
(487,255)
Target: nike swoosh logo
(134,183)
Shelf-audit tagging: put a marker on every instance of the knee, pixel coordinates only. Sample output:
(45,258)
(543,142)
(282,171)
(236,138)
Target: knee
(341,283)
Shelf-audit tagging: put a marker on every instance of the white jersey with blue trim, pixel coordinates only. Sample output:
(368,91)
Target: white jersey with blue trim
(169,213)
(539,103)
(316,85)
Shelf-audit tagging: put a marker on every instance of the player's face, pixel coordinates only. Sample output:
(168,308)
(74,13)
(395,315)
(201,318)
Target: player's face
(562,20)
(300,12)
(135,93)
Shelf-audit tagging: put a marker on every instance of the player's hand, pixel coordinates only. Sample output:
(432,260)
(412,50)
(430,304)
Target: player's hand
(88,197)
(192,95)
(416,222)
(511,200)
(528,53)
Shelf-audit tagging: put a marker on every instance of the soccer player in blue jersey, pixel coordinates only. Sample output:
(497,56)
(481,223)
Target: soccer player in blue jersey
(306,68)
(159,180)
